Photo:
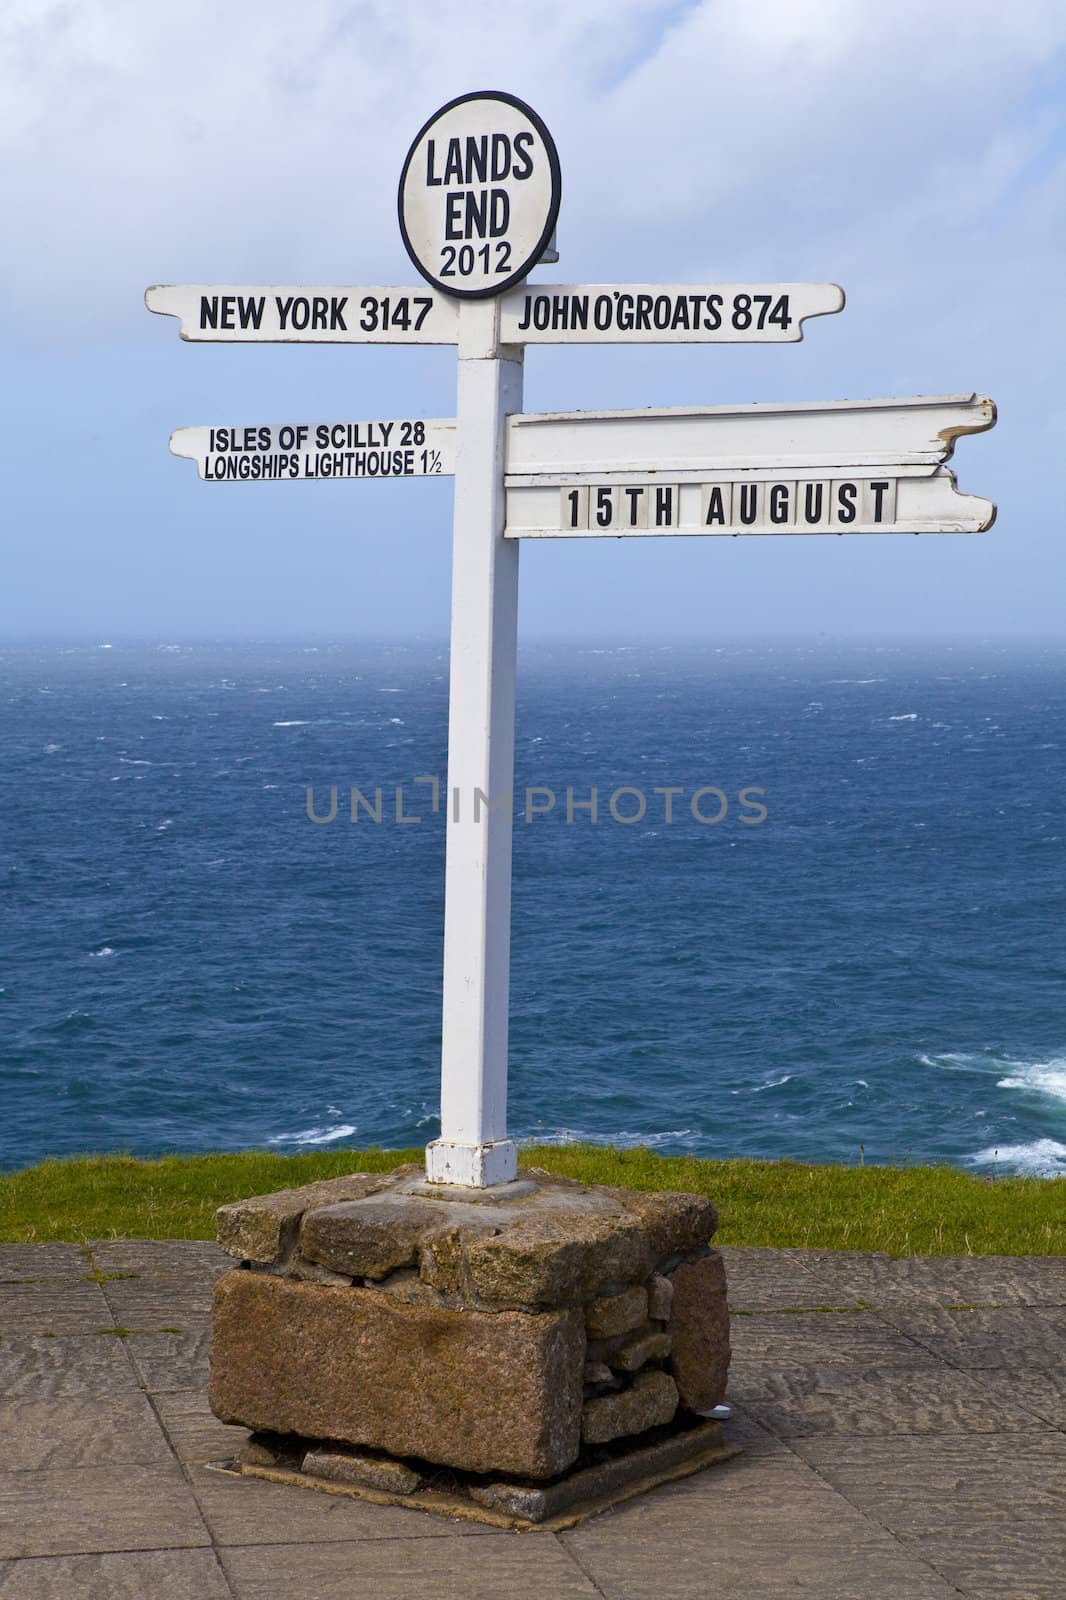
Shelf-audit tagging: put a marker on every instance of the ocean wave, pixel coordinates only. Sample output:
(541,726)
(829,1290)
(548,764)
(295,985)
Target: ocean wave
(774,1083)
(1040,1077)
(290,724)
(342,1130)
(1035,1077)
(905,716)
(104,950)
(1044,1158)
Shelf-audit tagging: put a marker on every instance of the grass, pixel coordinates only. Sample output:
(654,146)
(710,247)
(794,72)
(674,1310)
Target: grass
(900,1210)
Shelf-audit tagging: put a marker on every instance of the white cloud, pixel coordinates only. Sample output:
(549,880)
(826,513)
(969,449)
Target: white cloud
(258,140)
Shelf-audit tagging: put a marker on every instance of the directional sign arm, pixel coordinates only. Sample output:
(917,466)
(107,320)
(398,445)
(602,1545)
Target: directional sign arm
(283,314)
(868,466)
(399,448)
(664,313)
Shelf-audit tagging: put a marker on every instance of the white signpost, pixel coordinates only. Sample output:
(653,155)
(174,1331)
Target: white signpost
(478,201)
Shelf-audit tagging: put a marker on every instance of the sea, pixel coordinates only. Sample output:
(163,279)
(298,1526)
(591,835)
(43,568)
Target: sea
(819,911)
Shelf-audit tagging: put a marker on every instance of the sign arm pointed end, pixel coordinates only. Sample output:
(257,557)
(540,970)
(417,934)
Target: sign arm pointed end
(835,300)
(985,418)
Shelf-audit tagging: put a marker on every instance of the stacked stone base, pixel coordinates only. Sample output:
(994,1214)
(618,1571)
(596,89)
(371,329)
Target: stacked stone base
(378,1335)
(601,1477)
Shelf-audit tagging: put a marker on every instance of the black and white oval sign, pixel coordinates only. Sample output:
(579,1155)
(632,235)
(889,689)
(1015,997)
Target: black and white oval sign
(479,195)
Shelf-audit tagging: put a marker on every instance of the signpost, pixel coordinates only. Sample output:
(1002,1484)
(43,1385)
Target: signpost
(478,201)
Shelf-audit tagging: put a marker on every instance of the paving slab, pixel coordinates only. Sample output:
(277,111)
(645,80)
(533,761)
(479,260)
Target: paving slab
(917,1485)
(1040,1394)
(774,1280)
(987,1337)
(192,1429)
(927,1397)
(101,1431)
(38,1261)
(157,1256)
(171,1360)
(75,1512)
(494,1567)
(42,1368)
(53,1306)
(768,1529)
(155,1302)
(810,1338)
(252,1511)
(147,1575)
(941,1280)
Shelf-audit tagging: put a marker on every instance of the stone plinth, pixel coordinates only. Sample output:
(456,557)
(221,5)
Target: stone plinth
(497,1332)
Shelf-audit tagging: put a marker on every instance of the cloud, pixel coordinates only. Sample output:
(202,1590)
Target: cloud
(252,141)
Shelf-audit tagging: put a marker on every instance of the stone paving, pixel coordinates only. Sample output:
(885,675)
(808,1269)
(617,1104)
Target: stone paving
(904,1425)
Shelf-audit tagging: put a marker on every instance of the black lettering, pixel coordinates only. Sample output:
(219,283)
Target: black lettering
(284,307)
(664,507)
(477,214)
(209,311)
(715,508)
(541,311)
(477,158)
(644,305)
(713,319)
(779,506)
(879,490)
(453,225)
(846,493)
(336,312)
(501,156)
(226,320)
(662,311)
(602,312)
(680,317)
(431,177)
(453,167)
(499,212)
(250,310)
(634,504)
(749,503)
(813,494)
(524,324)
(522,141)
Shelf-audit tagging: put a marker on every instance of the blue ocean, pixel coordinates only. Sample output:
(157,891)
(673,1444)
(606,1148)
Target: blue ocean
(820,912)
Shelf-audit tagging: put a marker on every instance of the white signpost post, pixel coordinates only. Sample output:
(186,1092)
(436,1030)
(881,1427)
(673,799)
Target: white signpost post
(478,201)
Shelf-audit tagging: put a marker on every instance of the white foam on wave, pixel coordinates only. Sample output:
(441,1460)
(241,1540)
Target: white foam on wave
(50,749)
(104,950)
(290,724)
(315,1135)
(774,1083)
(1041,1077)
(905,716)
(1044,1158)
(1033,1077)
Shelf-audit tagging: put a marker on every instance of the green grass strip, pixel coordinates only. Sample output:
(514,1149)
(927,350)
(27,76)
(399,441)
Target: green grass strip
(900,1210)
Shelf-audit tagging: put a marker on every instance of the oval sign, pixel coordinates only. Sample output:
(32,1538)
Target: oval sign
(479,195)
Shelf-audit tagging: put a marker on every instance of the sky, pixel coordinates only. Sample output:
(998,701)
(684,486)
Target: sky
(915,155)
